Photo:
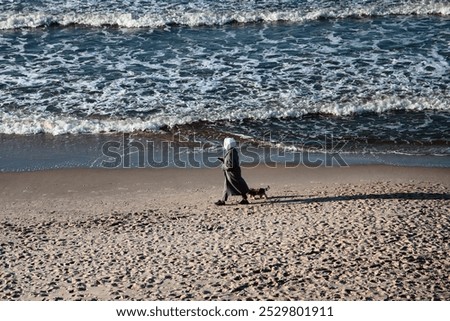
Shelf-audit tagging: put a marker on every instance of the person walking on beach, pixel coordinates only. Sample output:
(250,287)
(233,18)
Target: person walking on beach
(234,183)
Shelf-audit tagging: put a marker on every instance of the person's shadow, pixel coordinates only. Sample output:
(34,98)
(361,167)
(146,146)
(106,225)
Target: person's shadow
(387,196)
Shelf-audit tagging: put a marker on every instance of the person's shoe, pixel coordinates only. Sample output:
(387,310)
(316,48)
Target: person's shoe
(219,203)
(244,202)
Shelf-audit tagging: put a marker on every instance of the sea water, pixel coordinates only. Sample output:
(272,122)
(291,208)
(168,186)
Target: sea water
(369,76)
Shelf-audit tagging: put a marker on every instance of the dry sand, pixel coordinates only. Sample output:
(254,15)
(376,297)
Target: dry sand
(358,233)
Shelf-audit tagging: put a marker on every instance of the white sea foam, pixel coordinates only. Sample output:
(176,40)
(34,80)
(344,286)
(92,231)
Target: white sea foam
(87,80)
(44,122)
(163,13)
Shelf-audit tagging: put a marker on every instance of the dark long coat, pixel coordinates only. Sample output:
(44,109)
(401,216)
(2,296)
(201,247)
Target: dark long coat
(234,183)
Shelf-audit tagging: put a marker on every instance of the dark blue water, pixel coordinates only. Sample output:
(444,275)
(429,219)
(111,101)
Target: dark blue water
(372,76)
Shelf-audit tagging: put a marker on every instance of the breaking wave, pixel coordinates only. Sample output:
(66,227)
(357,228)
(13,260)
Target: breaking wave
(22,123)
(164,15)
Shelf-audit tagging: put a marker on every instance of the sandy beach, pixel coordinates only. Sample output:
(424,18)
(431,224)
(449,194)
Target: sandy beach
(354,233)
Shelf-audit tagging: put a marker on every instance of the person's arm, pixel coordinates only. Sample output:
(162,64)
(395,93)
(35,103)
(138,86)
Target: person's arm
(227,162)
(231,161)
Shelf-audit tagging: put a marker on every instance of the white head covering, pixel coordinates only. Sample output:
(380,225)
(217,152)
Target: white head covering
(229,143)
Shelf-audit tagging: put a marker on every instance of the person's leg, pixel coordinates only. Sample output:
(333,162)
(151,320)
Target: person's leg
(244,199)
(224,196)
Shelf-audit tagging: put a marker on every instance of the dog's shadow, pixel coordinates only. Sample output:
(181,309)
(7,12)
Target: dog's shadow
(325,199)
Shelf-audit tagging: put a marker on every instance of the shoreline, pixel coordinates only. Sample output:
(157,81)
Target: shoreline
(354,233)
(88,179)
(163,150)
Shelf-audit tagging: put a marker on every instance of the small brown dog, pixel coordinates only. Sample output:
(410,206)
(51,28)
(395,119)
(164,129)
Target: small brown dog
(260,192)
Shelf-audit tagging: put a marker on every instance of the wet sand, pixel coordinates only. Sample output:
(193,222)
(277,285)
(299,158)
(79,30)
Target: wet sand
(356,233)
